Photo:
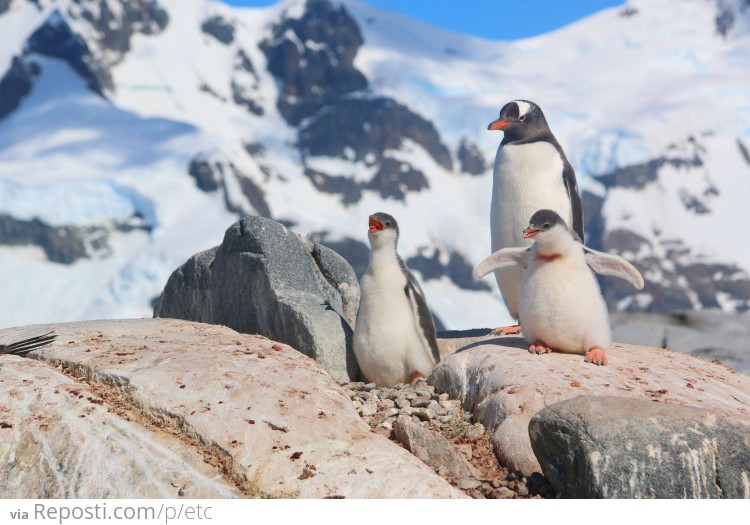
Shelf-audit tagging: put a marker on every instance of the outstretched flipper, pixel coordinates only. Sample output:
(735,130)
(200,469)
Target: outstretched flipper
(614,265)
(504,258)
(22,348)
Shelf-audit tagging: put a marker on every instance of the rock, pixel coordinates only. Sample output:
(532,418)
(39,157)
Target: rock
(432,448)
(611,447)
(146,408)
(503,385)
(469,483)
(263,279)
(368,408)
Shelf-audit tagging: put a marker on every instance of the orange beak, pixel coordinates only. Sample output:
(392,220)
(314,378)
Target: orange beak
(529,232)
(375,225)
(497,124)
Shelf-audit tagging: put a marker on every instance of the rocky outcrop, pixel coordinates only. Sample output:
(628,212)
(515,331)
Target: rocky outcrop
(457,269)
(130,409)
(264,279)
(471,159)
(312,57)
(66,244)
(246,89)
(16,84)
(610,447)
(690,281)
(214,174)
(219,28)
(504,386)
(108,35)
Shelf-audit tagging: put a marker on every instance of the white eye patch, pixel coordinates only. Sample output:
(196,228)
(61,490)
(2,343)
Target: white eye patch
(523,107)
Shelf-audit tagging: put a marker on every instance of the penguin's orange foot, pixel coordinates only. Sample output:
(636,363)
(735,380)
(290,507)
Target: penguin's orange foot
(539,347)
(596,355)
(507,330)
(416,376)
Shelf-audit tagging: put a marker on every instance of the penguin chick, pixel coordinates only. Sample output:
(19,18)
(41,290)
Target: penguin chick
(394,337)
(23,347)
(560,304)
(531,173)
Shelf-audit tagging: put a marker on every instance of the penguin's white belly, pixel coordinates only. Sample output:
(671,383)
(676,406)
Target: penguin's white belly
(527,178)
(560,304)
(387,342)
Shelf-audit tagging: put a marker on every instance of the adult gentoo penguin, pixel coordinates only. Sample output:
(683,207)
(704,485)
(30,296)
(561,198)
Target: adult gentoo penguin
(23,347)
(394,337)
(531,173)
(560,304)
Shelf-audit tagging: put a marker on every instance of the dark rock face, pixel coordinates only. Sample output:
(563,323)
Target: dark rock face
(205,177)
(457,269)
(246,84)
(219,28)
(56,39)
(115,29)
(684,284)
(370,127)
(265,280)
(349,189)
(211,175)
(614,447)
(64,244)
(112,32)
(16,84)
(312,76)
(744,151)
(312,58)
(471,159)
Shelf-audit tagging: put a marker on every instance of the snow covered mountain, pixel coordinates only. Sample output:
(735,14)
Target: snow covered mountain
(133,133)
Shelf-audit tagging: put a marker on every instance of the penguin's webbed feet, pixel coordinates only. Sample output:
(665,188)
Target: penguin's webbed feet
(539,347)
(596,355)
(416,376)
(507,330)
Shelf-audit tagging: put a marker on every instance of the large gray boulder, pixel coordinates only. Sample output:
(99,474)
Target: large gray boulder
(264,279)
(504,386)
(152,408)
(613,447)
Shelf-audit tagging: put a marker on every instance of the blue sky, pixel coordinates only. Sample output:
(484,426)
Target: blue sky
(494,19)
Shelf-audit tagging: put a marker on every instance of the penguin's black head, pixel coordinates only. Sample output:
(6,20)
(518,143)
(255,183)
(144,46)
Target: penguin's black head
(520,120)
(543,221)
(381,222)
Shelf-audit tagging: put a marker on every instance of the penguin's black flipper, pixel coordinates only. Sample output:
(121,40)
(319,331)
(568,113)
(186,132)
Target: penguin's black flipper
(22,348)
(569,178)
(419,305)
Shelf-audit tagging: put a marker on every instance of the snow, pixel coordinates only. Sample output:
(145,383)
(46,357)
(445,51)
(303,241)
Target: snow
(616,92)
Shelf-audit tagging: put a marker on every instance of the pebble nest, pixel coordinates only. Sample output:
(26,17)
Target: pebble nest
(380,406)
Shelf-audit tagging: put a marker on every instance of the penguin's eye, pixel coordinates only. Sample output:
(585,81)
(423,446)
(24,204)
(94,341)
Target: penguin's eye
(522,118)
(546,226)
(388,223)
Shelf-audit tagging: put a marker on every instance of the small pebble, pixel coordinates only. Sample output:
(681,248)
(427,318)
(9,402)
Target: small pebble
(505,493)
(386,403)
(402,402)
(368,408)
(523,490)
(391,412)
